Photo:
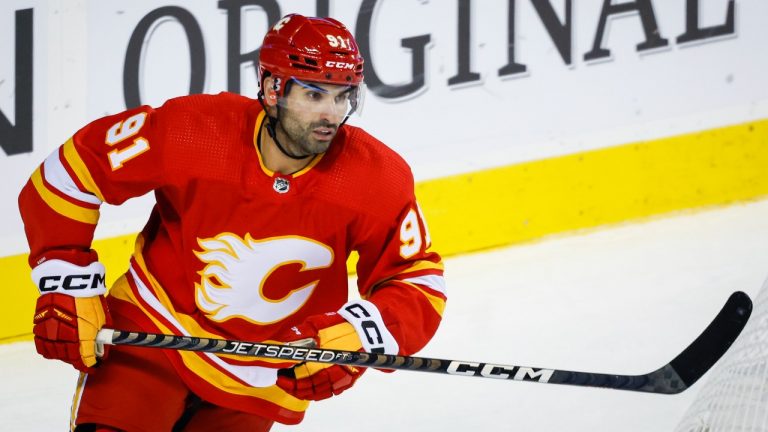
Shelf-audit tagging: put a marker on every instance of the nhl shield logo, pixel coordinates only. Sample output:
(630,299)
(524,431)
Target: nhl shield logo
(281,185)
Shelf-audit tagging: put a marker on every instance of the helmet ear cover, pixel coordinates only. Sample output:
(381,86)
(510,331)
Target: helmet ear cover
(274,91)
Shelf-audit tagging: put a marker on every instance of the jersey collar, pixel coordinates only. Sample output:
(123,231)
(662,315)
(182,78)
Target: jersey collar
(256,133)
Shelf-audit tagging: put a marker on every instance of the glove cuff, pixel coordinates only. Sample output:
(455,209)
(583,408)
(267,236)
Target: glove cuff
(369,325)
(66,278)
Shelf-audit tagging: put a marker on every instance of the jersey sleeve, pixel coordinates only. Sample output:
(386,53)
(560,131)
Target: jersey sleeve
(110,160)
(402,276)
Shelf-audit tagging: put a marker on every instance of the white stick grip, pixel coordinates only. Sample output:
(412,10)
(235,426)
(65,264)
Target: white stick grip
(103,337)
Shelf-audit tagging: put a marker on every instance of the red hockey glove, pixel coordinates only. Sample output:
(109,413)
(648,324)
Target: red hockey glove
(70,311)
(357,326)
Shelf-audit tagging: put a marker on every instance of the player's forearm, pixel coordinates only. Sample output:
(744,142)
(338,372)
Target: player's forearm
(412,313)
(50,232)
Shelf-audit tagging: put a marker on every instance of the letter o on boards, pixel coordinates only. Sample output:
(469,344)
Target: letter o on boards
(132,65)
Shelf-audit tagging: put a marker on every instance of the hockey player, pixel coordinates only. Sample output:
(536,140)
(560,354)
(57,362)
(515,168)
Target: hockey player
(259,203)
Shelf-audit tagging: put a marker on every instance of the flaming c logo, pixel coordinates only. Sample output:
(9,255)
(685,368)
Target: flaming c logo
(231,284)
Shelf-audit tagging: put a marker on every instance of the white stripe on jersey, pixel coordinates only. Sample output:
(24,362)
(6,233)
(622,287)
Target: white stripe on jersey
(57,176)
(433,282)
(255,376)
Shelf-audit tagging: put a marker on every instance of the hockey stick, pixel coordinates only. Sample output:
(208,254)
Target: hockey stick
(672,378)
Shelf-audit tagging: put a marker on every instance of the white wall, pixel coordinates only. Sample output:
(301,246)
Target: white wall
(553,108)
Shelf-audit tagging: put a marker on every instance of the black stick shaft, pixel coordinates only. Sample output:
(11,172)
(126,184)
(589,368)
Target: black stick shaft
(671,378)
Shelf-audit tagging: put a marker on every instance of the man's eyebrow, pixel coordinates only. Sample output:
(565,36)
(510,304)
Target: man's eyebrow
(313,87)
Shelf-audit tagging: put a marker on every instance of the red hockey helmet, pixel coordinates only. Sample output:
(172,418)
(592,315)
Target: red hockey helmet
(310,49)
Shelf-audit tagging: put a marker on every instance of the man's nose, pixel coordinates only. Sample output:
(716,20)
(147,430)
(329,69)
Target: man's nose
(331,113)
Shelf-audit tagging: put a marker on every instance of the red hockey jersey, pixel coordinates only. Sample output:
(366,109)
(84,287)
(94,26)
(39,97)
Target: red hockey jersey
(233,250)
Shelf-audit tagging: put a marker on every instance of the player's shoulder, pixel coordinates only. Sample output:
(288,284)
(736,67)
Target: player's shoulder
(223,105)
(205,134)
(210,104)
(367,175)
(209,118)
(372,155)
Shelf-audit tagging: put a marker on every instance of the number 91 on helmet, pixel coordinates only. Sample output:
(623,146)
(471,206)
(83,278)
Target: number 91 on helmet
(321,57)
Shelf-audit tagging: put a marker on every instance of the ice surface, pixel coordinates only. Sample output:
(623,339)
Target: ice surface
(625,299)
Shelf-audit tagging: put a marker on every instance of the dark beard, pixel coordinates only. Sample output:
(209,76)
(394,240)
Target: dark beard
(300,141)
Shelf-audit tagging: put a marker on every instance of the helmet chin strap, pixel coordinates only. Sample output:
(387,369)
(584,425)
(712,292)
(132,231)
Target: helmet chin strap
(272,131)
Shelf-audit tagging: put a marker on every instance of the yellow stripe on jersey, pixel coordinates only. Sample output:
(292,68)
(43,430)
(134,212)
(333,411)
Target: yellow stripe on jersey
(207,372)
(424,265)
(62,206)
(438,304)
(315,160)
(417,266)
(80,169)
(256,132)
(76,400)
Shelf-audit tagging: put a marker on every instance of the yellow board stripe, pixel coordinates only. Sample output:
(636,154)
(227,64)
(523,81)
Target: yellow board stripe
(527,201)
(80,169)
(62,206)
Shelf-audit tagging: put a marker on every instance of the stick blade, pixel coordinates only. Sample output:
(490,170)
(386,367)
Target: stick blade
(706,350)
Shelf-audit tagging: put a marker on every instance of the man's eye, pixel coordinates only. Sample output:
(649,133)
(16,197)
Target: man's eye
(342,97)
(313,95)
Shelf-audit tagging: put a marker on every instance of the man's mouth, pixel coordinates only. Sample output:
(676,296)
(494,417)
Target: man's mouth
(324,133)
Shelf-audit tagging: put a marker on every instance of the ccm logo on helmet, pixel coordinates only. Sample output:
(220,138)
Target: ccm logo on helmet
(71,282)
(339,65)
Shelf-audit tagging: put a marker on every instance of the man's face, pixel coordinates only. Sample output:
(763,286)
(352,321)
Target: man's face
(310,115)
